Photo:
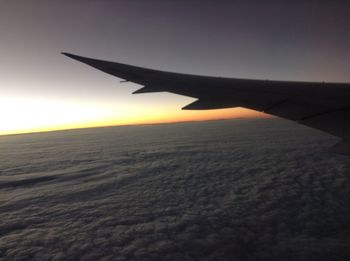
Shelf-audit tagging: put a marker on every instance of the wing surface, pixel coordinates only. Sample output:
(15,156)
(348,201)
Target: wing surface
(323,106)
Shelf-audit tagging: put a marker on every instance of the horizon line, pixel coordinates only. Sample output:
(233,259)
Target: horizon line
(136,124)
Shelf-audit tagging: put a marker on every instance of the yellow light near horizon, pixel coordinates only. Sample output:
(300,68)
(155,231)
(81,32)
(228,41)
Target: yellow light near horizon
(25,115)
(18,115)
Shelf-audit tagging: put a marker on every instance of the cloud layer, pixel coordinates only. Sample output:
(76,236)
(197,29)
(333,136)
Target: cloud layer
(226,190)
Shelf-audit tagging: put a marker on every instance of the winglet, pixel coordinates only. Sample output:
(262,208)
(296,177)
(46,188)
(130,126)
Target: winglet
(73,56)
(68,54)
(86,60)
(124,71)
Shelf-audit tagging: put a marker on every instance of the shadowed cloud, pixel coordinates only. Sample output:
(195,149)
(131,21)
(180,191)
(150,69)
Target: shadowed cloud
(207,191)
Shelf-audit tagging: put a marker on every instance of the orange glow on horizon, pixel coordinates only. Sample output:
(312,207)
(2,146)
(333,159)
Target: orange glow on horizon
(24,115)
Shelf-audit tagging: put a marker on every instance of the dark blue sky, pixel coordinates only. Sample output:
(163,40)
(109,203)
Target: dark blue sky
(284,40)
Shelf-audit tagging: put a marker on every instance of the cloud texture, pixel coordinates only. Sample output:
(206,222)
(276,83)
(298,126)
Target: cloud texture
(225,190)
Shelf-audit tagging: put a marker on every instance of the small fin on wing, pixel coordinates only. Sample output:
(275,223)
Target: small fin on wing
(147,89)
(193,106)
(202,104)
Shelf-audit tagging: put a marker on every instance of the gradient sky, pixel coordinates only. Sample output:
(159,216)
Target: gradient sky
(44,90)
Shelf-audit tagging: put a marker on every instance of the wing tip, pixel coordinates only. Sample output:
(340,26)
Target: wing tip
(76,57)
(70,55)
(98,64)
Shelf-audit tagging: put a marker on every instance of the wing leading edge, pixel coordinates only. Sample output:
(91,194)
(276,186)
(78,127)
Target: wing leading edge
(323,106)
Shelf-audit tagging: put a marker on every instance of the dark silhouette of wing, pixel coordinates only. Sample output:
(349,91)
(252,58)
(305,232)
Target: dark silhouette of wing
(323,106)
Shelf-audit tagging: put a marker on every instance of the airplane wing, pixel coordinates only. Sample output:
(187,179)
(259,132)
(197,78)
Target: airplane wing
(320,105)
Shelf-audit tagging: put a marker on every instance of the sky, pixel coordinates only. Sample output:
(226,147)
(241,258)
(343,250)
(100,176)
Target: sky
(44,90)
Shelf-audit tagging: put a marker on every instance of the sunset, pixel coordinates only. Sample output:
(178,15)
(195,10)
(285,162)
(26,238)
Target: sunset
(26,115)
(43,90)
(166,130)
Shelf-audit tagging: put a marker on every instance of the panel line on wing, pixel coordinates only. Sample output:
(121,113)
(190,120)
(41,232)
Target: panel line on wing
(275,105)
(324,113)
